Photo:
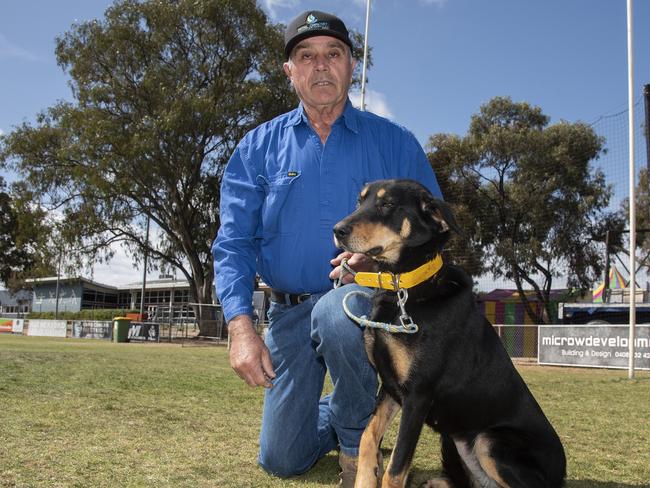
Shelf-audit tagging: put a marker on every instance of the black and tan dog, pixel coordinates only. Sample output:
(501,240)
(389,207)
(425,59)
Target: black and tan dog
(453,373)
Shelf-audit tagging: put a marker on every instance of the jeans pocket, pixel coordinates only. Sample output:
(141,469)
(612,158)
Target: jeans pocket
(275,311)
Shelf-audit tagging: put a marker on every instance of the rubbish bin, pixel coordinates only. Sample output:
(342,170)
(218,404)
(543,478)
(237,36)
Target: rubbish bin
(121,329)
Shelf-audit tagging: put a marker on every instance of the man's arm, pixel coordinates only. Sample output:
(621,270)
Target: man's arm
(234,250)
(235,256)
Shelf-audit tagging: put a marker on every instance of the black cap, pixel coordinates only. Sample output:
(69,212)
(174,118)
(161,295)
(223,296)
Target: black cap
(314,23)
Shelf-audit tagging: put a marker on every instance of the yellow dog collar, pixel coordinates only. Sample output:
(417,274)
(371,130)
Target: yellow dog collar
(390,281)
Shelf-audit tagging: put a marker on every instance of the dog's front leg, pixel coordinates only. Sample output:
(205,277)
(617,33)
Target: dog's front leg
(414,413)
(368,466)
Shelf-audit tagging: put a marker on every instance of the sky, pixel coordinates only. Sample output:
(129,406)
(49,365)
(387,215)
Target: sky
(435,61)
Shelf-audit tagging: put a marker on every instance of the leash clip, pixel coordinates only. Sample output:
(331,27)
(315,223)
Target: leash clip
(345,270)
(405,319)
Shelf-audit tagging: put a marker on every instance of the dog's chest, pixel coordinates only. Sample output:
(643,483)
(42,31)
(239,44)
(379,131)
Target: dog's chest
(392,357)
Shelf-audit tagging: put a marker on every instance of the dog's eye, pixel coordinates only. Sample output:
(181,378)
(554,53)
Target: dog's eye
(387,205)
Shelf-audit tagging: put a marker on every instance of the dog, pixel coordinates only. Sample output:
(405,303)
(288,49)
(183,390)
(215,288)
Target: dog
(453,373)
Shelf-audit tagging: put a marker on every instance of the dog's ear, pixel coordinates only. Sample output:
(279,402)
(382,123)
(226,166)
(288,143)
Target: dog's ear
(441,213)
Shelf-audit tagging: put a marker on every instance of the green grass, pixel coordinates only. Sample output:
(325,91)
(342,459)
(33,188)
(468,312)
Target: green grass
(84,413)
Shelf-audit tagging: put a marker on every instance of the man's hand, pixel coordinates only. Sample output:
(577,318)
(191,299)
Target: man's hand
(356,261)
(249,356)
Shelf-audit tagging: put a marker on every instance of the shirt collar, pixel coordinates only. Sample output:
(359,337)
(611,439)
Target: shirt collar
(350,117)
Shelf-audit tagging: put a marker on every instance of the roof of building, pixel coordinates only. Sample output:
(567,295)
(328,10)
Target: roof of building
(165,283)
(66,279)
(156,284)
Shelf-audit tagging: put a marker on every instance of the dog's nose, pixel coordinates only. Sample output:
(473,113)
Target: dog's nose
(341,230)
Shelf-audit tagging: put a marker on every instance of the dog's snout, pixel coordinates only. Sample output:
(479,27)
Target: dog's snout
(342,230)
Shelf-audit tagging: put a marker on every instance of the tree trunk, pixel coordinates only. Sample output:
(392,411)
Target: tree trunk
(208,315)
(538,317)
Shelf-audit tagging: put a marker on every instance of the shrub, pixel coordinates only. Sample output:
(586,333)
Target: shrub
(89,314)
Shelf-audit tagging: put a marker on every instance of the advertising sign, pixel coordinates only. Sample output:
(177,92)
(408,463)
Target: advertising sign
(47,328)
(144,332)
(92,329)
(598,346)
(18,326)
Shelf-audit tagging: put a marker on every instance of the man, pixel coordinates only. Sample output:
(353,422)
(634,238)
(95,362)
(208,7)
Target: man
(287,184)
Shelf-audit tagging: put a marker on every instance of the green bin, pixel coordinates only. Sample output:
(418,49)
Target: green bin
(121,329)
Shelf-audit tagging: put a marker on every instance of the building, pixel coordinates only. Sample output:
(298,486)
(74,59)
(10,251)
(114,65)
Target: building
(505,307)
(71,294)
(78,293)
(14,305)
(163,298)
(516,328)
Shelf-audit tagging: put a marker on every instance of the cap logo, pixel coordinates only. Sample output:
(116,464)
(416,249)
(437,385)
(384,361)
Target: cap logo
(310,19)
(316,25)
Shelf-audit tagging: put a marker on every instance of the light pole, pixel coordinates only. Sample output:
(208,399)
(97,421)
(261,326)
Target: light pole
(144,271)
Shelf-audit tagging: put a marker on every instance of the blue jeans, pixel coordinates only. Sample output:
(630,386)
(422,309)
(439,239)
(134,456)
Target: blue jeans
(307,340)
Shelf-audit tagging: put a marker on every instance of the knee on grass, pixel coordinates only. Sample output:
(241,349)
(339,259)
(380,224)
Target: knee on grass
(280,463)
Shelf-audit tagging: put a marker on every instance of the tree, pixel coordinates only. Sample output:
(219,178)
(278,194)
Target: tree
(12,256)
(533,206)
(163,92)
(23,240)
(642,198)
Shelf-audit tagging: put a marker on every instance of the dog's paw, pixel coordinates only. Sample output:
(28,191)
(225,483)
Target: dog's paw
(437,483)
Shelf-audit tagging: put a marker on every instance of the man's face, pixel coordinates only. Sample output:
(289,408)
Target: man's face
(320,70)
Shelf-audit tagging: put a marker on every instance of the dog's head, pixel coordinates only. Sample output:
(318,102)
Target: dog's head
(394,217)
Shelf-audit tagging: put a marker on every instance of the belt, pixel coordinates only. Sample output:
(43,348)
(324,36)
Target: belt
(288,298)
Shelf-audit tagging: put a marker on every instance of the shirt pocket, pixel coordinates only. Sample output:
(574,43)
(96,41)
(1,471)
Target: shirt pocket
(281,203)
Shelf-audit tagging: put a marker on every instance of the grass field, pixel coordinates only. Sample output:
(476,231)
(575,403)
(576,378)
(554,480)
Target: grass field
(84,413)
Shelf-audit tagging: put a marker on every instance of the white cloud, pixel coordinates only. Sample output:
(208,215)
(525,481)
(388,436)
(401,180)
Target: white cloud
(375,102)
(271,6)
(10,50)
(118,271)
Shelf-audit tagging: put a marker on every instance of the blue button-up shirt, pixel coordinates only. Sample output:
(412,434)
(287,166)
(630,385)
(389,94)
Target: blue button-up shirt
(284,190)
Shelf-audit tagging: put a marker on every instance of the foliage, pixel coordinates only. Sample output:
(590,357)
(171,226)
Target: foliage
(357,53)
(163,92)
(90,314)
(23,239)
(525,192)
(642,217)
